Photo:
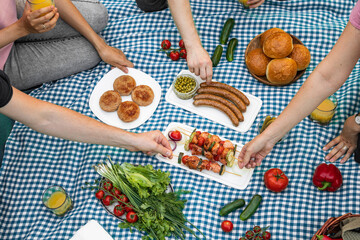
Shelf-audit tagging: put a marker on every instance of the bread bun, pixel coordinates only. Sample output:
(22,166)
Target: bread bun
(281,71)
(257,61)
(278,45)
(267,33)
(301,55)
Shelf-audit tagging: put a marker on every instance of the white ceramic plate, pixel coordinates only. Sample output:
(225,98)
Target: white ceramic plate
(214,114)
(233,177)
(106,83)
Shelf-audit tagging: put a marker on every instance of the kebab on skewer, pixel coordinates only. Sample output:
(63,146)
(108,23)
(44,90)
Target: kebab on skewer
(194,162)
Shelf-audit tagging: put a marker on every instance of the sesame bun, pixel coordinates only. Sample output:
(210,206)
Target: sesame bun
(281,71)
(257,62)
(278,45)
(267,33)
(301,55)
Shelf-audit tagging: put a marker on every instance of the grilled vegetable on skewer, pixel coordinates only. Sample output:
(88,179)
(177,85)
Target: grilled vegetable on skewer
(194,162)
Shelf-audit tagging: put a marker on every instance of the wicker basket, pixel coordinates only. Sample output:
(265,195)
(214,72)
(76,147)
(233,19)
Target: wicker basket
(332,225)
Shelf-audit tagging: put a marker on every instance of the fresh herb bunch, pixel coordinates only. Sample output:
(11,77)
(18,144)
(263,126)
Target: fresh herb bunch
(160,213)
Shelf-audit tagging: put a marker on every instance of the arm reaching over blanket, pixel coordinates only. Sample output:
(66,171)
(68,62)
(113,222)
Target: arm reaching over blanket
(328,77)
(64,123)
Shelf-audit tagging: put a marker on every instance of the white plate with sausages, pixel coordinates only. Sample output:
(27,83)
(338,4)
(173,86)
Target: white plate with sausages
(215,114)
(233,176)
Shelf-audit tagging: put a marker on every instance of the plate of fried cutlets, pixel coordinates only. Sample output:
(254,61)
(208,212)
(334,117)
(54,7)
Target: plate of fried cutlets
(125,100)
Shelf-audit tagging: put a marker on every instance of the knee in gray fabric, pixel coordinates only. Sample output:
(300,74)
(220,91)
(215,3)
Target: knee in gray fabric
(151,5)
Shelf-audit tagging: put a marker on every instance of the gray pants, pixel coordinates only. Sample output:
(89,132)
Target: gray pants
(40,58)
(151,5)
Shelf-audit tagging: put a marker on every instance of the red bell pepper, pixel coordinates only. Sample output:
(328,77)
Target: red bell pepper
(324,237)
(327,177)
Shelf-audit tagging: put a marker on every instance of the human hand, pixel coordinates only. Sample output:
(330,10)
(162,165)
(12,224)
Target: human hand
(255,3)
(39,21)
(199,62)
(151,143)
(344,144)
(255,151)
(115,57)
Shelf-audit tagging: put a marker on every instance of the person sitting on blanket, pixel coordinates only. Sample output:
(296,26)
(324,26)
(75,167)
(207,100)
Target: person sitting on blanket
(198,59)
(64,123)
(328,77)
(47,47)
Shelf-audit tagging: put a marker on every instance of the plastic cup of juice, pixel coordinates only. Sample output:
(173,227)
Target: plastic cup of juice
(38,4)
(57,200)
(325,111)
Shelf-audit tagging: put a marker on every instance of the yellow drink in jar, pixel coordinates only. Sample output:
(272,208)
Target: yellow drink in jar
(244,2)
(38,4)
(56,199)
(325,111)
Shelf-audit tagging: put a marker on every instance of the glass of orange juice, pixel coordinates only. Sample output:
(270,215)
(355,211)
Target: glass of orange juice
(38,4)
(244,3)
(57,200)
(325,111)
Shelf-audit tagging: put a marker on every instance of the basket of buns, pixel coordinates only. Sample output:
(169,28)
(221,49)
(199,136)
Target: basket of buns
(276,58)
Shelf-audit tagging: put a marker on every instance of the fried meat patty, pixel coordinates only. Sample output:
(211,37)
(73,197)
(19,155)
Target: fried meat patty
(124,85)
(128,111)
(110,101)
(142,95)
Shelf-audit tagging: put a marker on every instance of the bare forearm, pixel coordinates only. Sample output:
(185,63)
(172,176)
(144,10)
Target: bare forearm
(11,33)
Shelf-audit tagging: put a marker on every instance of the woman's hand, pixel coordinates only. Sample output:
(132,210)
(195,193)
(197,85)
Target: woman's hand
(255,151)
(255,3)
(115,57)
(199,62)
(344,144)
(39,21)
(151,143)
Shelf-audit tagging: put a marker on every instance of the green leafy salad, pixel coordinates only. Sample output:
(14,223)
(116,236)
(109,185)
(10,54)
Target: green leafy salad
(159,212)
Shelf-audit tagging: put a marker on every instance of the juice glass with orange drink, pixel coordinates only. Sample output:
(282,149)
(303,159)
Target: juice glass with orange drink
(325,111)
(57,200)
(38,4)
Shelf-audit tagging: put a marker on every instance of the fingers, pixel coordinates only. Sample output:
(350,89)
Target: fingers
(122,68)
(347,155)
(244,157)
(255,4)
(332,143)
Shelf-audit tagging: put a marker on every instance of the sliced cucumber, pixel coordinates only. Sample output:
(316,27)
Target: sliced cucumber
(180,157)
(211,146)
(222,170)
(230,158)
(187,143)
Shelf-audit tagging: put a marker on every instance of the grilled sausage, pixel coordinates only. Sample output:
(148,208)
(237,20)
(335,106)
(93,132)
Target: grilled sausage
(220,106)
(223,101)
(224,93)
(230,89)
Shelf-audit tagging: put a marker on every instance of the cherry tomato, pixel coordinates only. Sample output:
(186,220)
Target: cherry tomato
(129,208)
(166,44)
(108,186)
(220,150)
(227,226)
(257,229)
(131,217)
(217,157)
(258,238)
(242,238)
(107,200)
(100,194)
(201,141)
(175,135)
(123,199)
(117,192)
(266,235)
(184,159)
(183,53)
(174,55)
(181,43)
(119,210)
(275,180)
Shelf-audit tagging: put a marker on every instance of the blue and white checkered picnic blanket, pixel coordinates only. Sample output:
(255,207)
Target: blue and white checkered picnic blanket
(34,161)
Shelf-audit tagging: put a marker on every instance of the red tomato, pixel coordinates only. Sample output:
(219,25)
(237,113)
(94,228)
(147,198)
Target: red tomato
(181,43)
(227,226)
(275,180)
(99,194)
(175,135)
(174,55)
(201,141)
(123,199)
(266,235)
(183,53)
(117,192)
(108,186)
(119,210)
(184,159)
(131,217)
(217,158)
(220,150)
(107,200)
(129,208)
(166,44)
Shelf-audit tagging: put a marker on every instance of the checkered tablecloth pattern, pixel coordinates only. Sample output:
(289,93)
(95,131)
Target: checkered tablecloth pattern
(34,161)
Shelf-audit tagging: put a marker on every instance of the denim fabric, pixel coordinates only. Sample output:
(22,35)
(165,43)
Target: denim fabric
(40,58)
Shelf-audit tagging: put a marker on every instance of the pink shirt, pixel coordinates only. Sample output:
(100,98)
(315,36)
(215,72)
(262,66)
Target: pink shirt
(355,16)
(7,17)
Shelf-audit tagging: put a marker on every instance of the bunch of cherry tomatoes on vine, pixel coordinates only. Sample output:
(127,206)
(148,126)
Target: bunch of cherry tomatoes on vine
(174,53)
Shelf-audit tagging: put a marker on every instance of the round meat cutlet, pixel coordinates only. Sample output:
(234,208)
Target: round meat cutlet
(128,111)
(110,101)
(124,85)
(142,95)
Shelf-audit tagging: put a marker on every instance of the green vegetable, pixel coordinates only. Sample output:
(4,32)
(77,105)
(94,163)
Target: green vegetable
(211,146)
(232,206)
(187,143)
(231,49)
(251,207)
(226,30)
(230,158)
(222,170)
(217,55)
(185,84)
(180,157)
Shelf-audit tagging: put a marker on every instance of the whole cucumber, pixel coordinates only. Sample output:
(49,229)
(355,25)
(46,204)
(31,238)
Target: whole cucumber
(226,30)
(231,49)
(232,206)
(251,207)
(217,55)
